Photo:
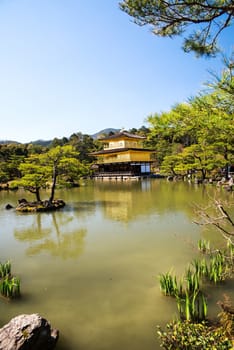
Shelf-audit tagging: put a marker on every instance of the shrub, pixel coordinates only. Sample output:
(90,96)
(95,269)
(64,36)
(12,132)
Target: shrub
(193,336)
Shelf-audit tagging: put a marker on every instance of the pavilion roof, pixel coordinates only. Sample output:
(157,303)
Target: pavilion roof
(124,134)
(118,150)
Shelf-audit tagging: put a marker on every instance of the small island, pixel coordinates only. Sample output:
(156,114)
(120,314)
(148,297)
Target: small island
(41,171)
(39,206)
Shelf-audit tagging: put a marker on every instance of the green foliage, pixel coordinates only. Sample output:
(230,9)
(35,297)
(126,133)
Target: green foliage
(192,306)
(11,155)
(194,138)
(9,285)
(204,246)
(84,145)
(197,137)
(5,269)
(191,301)
(35,166)
(193,336)
(168,284)
(223,85)
(173,18)
(226,316)
(191,331)
(218,266)
(58,163)
(192,281)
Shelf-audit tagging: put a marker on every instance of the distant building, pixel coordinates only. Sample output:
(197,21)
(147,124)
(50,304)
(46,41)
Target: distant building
(123,157)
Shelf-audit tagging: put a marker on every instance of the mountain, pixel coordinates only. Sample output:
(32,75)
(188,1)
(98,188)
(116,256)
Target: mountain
(104,132)
(46,143)
(7,142)
(37,142)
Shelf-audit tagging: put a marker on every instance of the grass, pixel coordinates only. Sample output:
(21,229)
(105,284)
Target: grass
(9,285)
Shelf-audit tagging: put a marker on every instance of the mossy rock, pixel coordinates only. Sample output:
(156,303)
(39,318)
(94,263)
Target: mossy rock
(41,206)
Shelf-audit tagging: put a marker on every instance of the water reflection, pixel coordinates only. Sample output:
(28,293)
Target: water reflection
(128,201)
(109,298)
(46,234)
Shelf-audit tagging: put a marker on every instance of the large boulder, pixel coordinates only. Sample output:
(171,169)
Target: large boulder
(28,332)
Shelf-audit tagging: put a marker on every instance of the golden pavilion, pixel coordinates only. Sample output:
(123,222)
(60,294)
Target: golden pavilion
(123,157)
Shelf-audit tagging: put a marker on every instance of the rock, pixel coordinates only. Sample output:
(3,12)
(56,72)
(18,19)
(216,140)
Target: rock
(22,201)
(28,332)
(170,178)
(4,187)
(8,206)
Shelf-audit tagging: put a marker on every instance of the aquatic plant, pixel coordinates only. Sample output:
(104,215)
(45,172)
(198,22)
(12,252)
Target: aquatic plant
(217,267)
(5,269)
(192,307)
(168,284)
(204,246)
(230,255)
(192,330)
(10,287)
(192,279)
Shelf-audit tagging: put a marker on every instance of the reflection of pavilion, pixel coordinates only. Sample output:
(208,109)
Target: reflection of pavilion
(123,203)
(121,207)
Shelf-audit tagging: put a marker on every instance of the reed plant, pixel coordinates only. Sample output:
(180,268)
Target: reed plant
(204,246)
(5,269)
(230,254)
(193,306)
(197,266)
(230,247)
(217,268)
(192,278)
(193,330)
(191,301)
(168,284)
(201,268)
(221,263)
(10,287)
(204,268)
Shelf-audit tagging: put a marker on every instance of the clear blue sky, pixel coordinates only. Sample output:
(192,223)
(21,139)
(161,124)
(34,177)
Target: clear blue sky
(75,65)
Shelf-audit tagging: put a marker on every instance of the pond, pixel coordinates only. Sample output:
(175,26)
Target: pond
(92,268)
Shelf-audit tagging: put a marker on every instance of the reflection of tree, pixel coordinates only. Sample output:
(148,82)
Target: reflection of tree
(64,245)
(68,246)
(33,233)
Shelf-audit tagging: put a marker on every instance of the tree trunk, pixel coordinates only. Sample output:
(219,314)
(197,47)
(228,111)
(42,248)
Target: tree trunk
(37,192)
(226,169)
(53,184)
(203,172)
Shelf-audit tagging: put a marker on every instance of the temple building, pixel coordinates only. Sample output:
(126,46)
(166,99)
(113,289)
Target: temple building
(123,157)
